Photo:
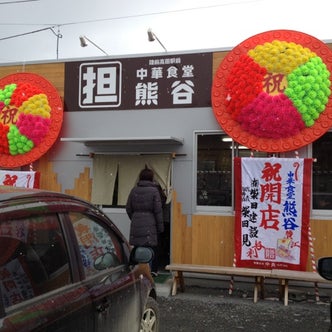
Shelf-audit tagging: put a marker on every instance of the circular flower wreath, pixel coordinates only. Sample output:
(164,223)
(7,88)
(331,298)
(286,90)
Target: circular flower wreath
(25,118)
(303,89)
(272,92)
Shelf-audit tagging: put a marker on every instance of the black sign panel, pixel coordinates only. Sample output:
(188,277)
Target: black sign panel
(170,81)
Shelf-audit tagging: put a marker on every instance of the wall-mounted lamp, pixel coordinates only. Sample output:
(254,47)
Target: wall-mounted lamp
(83,41)
(152,37)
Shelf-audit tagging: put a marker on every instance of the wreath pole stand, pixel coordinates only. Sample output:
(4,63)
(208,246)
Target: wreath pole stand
(313,261)
(231,283)
(312,252)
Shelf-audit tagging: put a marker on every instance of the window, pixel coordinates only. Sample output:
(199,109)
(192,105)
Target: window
(322,173)
(214,170)
(99,247)
(33,258)
(215,152)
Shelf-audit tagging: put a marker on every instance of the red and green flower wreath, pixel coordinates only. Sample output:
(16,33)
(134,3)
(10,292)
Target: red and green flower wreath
(272,92)
(30,118)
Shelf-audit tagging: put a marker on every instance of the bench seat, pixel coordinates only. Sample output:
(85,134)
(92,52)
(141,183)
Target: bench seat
(178,269)
(259,274)
(285,275)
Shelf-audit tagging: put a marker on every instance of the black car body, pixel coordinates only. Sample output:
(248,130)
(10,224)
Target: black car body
(64,266)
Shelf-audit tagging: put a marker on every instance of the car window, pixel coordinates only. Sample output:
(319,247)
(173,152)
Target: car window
(33,258)
(99,246)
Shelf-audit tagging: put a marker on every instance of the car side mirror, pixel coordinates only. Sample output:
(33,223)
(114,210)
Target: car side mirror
(141,255)
(324,267)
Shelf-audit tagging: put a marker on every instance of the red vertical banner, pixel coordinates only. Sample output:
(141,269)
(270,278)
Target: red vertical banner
(272,211)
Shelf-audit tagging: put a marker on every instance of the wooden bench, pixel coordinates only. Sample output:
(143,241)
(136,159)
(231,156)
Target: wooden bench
(259,274)
(285,275)
(178,280)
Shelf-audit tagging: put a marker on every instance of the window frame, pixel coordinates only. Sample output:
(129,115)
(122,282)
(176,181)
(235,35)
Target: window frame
(304,152)
(209,209)
(317,213)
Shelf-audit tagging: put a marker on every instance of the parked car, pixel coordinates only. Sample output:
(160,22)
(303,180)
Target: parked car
(324,267)
(64,266)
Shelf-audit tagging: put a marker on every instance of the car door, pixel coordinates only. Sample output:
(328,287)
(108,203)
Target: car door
(38,290)
(114,288)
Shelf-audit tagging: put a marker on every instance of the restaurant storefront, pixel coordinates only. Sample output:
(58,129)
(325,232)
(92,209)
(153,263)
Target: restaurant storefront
(122,114)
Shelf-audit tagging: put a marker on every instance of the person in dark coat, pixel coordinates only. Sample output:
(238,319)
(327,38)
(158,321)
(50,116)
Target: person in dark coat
(144,209)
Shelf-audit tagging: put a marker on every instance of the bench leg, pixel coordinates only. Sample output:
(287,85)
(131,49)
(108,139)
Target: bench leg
(177,281)
(181,281)
(174,286)
(259,288)
(256,289)
(286,292)
(283,290)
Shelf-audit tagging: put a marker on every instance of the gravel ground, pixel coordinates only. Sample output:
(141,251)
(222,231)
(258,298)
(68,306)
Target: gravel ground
(204,309)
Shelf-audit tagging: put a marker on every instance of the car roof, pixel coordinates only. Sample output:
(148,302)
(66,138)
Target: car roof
(10,193)
(28,201)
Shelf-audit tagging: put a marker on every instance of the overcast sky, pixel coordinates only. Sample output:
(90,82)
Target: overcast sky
(120,27)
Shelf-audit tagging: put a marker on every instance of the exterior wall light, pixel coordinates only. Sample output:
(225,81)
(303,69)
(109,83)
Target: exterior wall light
(152,37)
(84,43)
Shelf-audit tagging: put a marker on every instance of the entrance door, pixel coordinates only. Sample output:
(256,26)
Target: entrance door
(115,175)
(165,238)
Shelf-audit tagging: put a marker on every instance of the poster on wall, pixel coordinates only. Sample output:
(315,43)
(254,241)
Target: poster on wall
(272,197)
(28,179)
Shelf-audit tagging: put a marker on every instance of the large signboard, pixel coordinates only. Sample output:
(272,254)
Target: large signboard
(169,81)
(272,212)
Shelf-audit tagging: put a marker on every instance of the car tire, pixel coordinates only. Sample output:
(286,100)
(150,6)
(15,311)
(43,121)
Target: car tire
(150,317)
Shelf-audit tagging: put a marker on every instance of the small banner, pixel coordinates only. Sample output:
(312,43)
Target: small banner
(272,197)
(21,179)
